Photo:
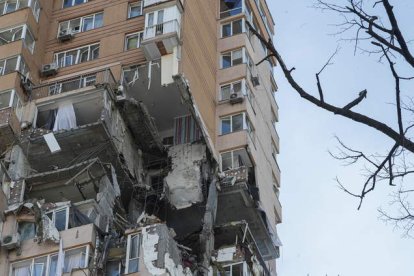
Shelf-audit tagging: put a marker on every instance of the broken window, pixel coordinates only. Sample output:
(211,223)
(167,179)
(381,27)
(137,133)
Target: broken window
(114,268)
(27,230)
(133,253)
(81,24)
(75,258)
(239,269)
(230,7)
(60,218)
(232,159)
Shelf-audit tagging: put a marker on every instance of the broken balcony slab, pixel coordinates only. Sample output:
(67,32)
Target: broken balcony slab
(141,125)
(77,145)
(235,203)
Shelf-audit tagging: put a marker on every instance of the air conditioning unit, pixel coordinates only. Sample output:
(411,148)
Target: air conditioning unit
(236,98)
(255,80)
(65,35)
(11,241)
(49,70)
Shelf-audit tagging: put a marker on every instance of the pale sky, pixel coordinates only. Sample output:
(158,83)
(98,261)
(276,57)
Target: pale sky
(322,232)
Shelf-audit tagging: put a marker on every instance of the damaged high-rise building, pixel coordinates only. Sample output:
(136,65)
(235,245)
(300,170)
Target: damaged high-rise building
(137,138)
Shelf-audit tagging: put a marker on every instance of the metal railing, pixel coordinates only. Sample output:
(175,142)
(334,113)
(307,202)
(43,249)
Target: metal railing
(94,79)
(162,28)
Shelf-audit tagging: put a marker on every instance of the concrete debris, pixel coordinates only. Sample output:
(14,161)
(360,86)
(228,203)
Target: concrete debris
(50,233)
(161,254)
(184,181)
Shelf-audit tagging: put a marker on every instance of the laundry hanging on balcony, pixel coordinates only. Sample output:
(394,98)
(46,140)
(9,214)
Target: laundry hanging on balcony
(65,118)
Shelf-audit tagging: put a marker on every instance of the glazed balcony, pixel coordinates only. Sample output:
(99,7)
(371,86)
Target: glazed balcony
(148,3)
(162,29)
(86,81)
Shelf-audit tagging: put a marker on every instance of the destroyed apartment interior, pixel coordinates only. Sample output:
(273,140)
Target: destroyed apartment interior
(113,169)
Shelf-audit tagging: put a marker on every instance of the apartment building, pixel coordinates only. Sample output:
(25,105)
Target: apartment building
(137,138)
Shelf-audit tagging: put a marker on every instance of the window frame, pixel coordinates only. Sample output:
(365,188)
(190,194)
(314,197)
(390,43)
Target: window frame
(128,257)
(247,124)
(133,5)
(48,261)
(54,211)
(231,85)
(81,23)
(231,152)
(140,37)
(78,58)
(232,52)
(231,23)
(25,32)
(73,3)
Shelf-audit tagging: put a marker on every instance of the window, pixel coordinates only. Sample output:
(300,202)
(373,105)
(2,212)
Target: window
(235,270)
(130,74)
(60,218)
(133,253)
(230,7)
(81,24)
(232,123)
(232,159)
(73,84)
(228,89)
(135,9)
(76,258)
(133,41)
(46,265)
(12,64)
(232,58)
(232,28)
(78,55)
(17,33)
(71,3)
(27,230)
(114,268)
(32,267)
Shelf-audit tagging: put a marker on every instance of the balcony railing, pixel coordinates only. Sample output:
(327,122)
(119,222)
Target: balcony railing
(162,28)
(91,79)
(227,13)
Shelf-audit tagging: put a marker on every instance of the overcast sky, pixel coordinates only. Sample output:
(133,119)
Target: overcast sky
(322,231)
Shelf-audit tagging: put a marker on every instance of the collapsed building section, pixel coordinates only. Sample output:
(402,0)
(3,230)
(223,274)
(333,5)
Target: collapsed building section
(113,168)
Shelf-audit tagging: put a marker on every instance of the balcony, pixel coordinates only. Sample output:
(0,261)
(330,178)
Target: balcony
(160,39)
(230,8)
(148,3)
(87,81)
(9,127)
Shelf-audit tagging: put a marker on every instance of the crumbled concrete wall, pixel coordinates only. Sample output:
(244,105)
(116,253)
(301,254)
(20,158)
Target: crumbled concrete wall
(183,182)
(160,252)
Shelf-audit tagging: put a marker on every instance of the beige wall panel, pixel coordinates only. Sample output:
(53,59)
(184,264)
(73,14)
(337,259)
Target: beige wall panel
(199,56)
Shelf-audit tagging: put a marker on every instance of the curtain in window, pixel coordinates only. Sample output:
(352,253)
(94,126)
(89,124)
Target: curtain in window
(22,271)
(65,118)
(73,261)
(186,130)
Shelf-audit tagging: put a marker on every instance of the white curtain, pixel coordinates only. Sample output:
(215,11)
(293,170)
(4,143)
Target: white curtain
(65,118)
(61,259)
(73,261)
(22,271)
